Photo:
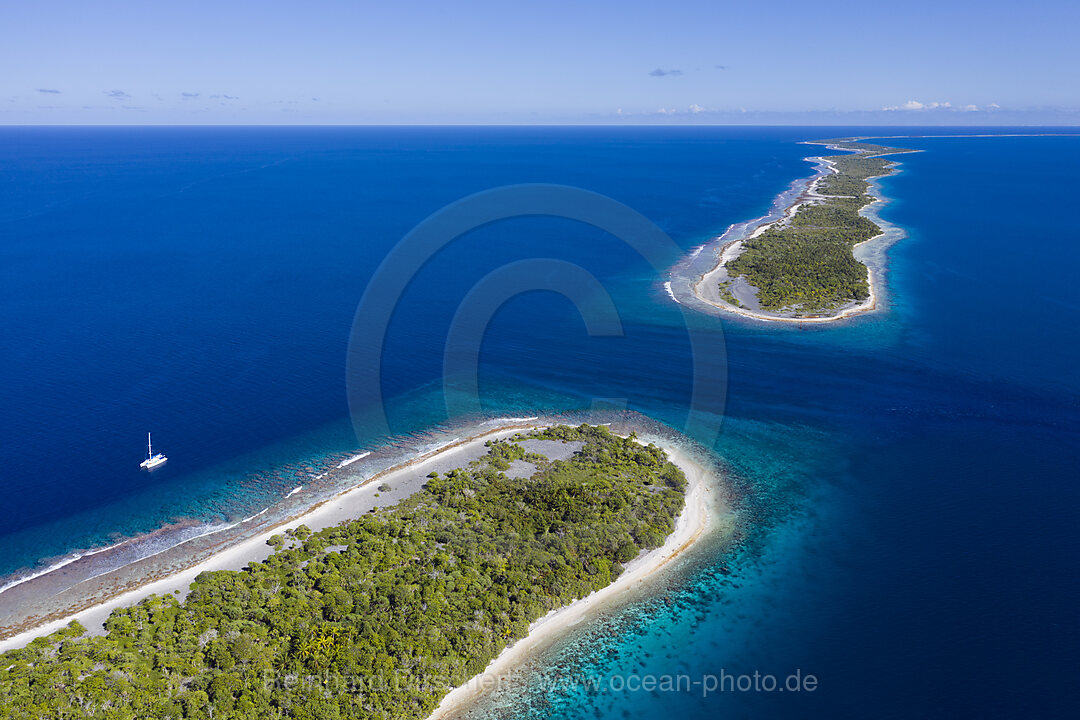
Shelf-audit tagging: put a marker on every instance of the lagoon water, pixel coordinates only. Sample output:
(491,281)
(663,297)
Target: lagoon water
(905,481)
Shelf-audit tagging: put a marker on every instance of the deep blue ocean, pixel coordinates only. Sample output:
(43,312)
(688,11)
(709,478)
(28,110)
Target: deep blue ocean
(906,480)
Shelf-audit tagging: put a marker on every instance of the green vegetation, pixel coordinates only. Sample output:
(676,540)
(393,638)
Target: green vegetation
(844,185)
(805,266)
(374,618)
(727,295)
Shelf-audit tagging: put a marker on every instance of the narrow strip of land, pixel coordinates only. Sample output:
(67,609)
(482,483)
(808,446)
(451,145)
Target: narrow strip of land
(803,267)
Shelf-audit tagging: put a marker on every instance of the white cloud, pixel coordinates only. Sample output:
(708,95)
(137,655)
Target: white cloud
(695,108)
(665,111)
(969,108)
(916,105)
(994,106)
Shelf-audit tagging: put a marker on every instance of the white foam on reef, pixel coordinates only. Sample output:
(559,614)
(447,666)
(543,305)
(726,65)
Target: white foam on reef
(56,566)
(209,530)
(140,543)
(354,458)
(667,286)
(502,421)
(252,517)
(436,447)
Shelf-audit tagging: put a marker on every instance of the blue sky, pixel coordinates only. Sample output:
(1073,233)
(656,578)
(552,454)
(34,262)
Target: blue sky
(325,61)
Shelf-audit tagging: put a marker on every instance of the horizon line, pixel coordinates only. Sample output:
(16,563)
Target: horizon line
(537,125)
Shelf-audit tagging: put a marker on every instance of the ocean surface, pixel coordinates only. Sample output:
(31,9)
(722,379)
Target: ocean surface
(906,481)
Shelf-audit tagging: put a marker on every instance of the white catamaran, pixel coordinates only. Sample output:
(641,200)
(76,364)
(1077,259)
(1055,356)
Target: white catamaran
(152,460)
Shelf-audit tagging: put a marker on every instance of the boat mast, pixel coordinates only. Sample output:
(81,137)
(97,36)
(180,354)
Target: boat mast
(149,447)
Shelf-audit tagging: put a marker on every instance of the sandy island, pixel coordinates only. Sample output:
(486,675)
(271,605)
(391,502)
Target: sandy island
(703,501)
(869,252)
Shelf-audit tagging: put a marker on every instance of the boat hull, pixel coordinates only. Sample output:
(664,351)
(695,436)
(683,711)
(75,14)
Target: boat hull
(151,463)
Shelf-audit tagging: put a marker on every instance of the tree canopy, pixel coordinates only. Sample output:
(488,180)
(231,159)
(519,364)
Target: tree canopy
(377,617)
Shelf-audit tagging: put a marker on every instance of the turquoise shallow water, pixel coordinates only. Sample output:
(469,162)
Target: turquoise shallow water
(904,479)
